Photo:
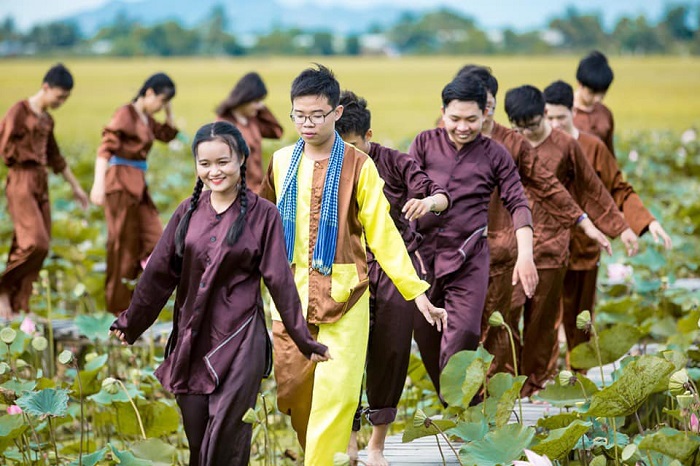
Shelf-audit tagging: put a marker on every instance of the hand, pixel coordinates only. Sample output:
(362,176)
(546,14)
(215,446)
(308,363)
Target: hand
(315,357)
(97,195)
(434,315)
(416,208)
(525,271)
(81,197)
(119,334)
(596,235)
(657,231)
(631,242)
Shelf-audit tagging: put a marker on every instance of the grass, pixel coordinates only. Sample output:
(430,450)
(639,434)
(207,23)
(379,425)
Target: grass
(403,93)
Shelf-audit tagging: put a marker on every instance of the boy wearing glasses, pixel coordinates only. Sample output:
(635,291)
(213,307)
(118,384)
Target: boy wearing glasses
(330,197)
(562,156)
(454,250)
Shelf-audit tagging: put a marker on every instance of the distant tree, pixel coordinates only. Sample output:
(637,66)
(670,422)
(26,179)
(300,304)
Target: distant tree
(676,23)
(525,43)
(170,39)
(322,44)
(637,36)
(214,34)
(580,31)
(122,26)
(352,45)
(59,34)
(8,30)
(279,41)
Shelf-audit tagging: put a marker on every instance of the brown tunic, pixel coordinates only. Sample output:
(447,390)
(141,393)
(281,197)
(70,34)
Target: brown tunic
(263,125)
(218,292)
(585,253)
(129,137)
(561,155)
(542,187)
(598,121)
(27,139)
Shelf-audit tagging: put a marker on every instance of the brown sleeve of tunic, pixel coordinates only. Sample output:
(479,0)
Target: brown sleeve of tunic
(511,188)
(546,188)
(163,131)
(270,128)
(10,128)
(155,286)
(267,189)
(120,126)
(417,182)
(592,195)
(279,280)
(54,158)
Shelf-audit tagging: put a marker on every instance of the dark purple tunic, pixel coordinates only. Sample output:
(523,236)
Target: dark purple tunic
(218,292)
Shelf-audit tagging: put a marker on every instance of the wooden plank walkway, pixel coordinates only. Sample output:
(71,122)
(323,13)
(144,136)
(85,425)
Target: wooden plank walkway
(425,451)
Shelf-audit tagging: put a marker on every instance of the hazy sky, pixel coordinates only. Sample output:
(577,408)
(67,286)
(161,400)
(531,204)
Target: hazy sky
(494,13)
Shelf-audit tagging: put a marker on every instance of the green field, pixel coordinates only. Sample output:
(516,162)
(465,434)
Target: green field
(403,93)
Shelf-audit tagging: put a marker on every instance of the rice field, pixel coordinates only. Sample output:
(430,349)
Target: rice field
(403,93)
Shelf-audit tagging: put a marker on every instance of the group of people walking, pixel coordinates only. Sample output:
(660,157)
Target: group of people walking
(360,247)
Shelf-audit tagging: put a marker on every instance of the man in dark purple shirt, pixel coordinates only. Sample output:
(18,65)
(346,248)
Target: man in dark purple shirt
(411,194)
(455,251)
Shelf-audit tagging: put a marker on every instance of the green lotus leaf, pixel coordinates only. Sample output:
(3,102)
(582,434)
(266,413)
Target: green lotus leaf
(560,442)
(47,402)
(614,342)
(499,447)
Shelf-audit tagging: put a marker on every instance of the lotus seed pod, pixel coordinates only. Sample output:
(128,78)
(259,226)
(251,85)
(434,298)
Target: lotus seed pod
(110,385)
(565,378)
(8,335)
(496,319)
(685,401)
(249,417)
(583,320)
(40,343)
(65,357)
(678,381)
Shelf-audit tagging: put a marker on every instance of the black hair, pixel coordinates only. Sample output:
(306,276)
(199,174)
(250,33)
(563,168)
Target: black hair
(249,88)
(59,76)
(356,118)
(594,72)
(524,103)
(465,88)
(484,73)
(231,136)
(160,83)
(317,81)
(559,93)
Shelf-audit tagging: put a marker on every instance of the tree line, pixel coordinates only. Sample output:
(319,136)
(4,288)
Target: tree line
(442,31)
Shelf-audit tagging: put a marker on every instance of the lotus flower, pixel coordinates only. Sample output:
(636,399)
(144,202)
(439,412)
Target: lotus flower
(619,272)
(689,135)
(694,423)
(28,326)
(14,409)
(633,155)
(533,459)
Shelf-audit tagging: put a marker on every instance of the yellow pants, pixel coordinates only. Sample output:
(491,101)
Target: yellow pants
(322,398)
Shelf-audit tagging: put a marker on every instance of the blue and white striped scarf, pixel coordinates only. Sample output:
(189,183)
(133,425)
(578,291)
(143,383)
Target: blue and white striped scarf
(324,250)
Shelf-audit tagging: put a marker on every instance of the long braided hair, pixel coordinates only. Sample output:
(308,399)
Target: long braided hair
(231,136)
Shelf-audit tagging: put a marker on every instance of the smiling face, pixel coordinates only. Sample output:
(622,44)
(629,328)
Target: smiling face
(218,168)
(463,121)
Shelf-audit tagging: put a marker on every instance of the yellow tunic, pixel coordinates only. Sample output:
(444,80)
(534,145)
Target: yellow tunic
(322,398)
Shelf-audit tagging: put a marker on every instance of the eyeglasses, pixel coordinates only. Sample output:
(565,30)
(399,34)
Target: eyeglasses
(532,126)
(315,119)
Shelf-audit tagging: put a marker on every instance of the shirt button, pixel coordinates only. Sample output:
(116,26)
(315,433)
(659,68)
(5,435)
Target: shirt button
(441,230)
(208,260)
(317,165)
(212,239)
(202,284)
(311,269)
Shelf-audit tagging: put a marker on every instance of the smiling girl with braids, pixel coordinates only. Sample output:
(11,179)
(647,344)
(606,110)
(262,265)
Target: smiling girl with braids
(215,249)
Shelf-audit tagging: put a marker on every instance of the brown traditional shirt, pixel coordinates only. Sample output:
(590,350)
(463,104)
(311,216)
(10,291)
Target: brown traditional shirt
(129,137)
(540,185)
(218,292)
(598,121)
(263,125)
(470,175)
(27,139)
(561,155)
(585,253)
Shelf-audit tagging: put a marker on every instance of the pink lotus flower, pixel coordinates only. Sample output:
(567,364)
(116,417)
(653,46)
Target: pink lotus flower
(533,459)
(14,409)
(689,135)
(28,326)
(633,155)
(619,272)
(694,423)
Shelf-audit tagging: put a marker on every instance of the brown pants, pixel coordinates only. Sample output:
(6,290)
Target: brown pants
(28,204)
(495,339)
(541,318)
(462,294)
(133,229)
(578,296)
(389,348)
